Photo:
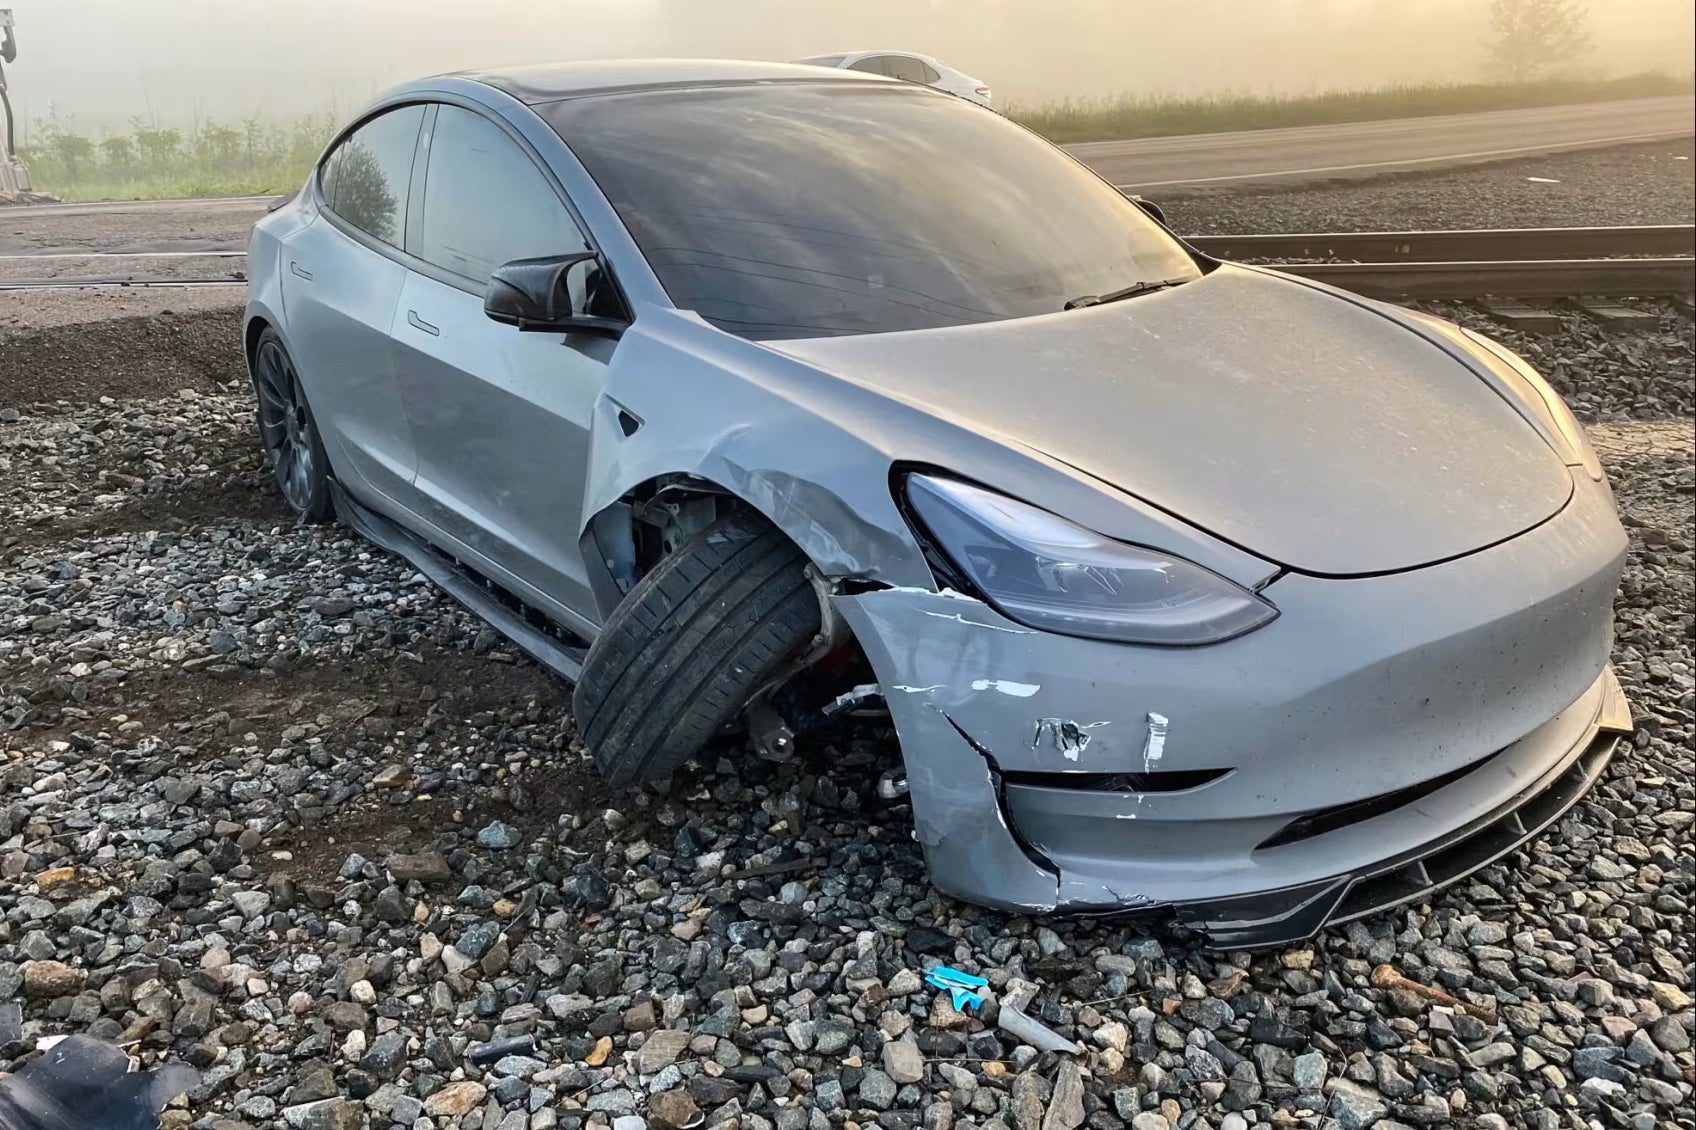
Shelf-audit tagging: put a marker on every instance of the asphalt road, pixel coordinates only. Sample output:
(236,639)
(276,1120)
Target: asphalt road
(1358,149)
(1308,153)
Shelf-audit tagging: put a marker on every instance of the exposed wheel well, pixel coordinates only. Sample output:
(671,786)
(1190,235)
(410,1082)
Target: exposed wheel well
(649,522)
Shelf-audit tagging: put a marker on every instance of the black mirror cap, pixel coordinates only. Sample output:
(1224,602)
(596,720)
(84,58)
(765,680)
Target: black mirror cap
(533,295)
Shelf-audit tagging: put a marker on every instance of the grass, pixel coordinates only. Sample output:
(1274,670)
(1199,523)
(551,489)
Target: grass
(256,159)
(152,162)
(1135,115)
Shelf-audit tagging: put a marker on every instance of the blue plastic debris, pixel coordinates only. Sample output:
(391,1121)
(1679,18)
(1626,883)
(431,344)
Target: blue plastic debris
(962,988)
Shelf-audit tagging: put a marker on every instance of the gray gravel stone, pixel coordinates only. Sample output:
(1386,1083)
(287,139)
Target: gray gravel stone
(877,1090)
(903,1061)
(1353,1106)
(187,732)
(1308,1071)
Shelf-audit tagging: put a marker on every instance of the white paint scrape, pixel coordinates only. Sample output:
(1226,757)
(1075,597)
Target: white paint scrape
(975,624)
(1006,686)
(1154,748)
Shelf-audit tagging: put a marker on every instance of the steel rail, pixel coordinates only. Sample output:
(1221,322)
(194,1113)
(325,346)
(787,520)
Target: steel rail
(1515,244)
(1532,278)
(110,283)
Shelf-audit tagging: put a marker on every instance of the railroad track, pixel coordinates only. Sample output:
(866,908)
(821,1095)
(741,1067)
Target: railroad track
(1607,262)
(1504,245)
(1601,262)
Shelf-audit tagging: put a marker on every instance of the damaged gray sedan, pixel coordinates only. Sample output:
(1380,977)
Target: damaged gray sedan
(754,394)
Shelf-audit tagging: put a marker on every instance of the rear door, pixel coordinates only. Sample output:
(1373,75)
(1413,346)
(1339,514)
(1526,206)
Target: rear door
(501,417)
(341,285)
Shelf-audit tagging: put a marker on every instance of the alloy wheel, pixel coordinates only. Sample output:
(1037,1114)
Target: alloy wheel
(285,426)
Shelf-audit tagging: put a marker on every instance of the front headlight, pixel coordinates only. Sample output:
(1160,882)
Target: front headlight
(1047,573)
(1577,439)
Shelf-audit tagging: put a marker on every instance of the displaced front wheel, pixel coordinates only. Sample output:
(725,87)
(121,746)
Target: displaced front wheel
(685,650)
(294,452)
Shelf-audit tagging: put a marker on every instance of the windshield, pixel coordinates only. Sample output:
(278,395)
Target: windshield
(808,210)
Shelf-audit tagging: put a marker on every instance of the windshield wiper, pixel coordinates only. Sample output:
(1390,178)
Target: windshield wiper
(1128,292)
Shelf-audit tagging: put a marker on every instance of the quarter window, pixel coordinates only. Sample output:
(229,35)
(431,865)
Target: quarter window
(485,201)
(367,178)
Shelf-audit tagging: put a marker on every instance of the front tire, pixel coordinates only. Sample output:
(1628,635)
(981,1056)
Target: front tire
(294,451)
(684,651)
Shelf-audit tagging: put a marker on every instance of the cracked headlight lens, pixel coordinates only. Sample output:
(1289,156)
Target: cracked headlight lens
(1045,572)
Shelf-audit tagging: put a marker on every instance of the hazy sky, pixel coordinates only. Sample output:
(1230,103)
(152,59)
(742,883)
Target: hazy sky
(104,61)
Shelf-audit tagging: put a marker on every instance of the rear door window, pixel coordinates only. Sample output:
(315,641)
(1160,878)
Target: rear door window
(905,67)
(367,179)
(486,202)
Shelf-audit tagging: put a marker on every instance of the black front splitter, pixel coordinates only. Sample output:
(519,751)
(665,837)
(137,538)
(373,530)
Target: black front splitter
(1288,915)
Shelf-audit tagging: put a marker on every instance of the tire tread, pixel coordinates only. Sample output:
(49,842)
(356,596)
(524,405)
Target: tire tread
(683,651)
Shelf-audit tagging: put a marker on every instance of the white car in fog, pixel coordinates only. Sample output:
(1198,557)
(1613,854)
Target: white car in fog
(910,66)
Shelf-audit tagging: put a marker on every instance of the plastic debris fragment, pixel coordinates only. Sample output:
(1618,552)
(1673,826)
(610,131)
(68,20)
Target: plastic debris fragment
(962,988)
(1033,1032)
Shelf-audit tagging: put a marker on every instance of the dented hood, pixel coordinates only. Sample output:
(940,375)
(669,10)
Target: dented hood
(1299,425)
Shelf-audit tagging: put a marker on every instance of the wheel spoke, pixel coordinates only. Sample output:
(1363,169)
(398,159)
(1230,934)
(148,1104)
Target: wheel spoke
(271,395)
(283,463)
(301,479)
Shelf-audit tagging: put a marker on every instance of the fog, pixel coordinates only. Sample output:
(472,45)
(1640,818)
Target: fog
(103,62)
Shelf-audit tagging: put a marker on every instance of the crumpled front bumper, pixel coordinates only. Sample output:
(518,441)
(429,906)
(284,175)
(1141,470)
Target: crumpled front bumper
(1383,737)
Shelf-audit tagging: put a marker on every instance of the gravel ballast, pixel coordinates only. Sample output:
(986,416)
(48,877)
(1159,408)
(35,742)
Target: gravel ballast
(275,807)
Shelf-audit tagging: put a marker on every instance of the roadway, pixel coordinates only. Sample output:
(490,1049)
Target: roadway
(1357,149)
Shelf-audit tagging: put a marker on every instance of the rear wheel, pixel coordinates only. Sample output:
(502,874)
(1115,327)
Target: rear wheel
(294,452)
(692,642)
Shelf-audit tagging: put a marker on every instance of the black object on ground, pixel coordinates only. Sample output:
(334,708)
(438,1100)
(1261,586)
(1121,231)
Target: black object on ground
(86,1084)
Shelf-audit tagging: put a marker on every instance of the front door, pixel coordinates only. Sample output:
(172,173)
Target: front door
(340,292)
(500,417)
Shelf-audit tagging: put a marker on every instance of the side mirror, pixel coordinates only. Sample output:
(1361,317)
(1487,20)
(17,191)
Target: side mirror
(1151,208)
(554,294)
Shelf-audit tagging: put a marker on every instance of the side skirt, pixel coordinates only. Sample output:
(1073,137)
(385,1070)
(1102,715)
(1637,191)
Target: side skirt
(500,609)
